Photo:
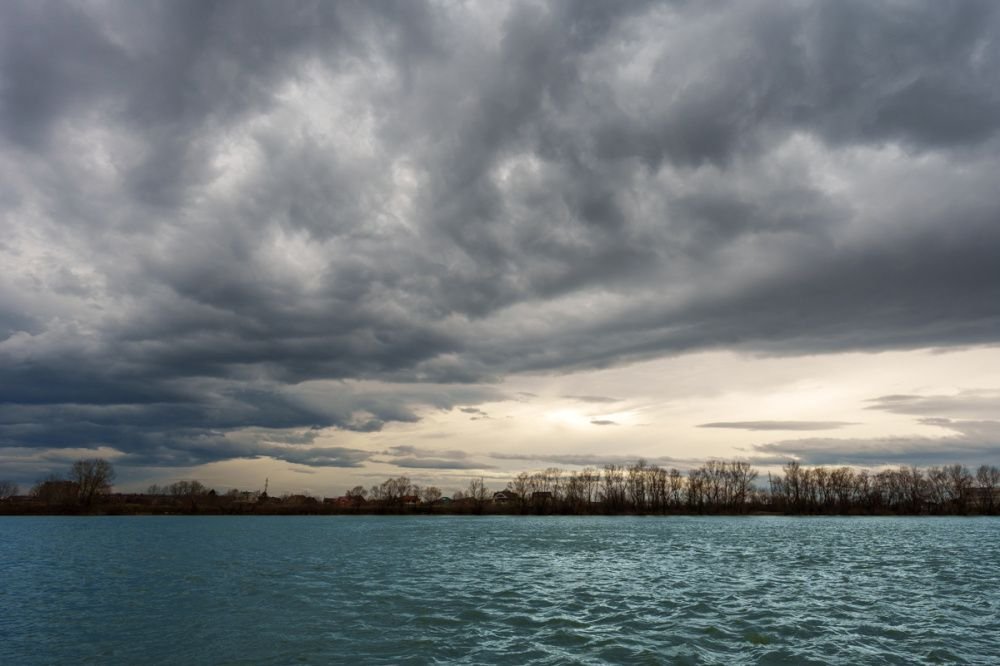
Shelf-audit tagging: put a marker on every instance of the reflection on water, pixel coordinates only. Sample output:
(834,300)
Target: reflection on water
(510,590)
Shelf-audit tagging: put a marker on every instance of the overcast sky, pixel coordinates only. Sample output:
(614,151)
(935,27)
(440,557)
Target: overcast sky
(325,243)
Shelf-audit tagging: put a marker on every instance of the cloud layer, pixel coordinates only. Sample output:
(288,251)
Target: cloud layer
(227,219)
(777,425)
(965,439)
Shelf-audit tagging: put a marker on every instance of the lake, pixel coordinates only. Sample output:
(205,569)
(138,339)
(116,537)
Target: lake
(500,589)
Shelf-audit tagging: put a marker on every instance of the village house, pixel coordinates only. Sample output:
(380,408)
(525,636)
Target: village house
(505,496)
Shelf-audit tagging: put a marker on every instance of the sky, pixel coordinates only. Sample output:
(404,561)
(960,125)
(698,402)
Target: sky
(328,243)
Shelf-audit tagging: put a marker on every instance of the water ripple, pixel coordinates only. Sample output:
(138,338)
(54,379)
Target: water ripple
(503,590)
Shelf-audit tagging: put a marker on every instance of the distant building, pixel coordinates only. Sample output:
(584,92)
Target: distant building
(505,496)
(245,497)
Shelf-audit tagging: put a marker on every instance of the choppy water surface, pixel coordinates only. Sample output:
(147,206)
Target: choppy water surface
(480,590)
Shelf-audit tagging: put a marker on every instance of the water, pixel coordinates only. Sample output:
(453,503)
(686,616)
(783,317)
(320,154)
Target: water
(506,590)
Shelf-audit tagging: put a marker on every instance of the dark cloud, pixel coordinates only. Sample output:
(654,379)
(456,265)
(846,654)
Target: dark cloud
(778,425)
(227,216)
(477,414)
(603,422)
(595,399)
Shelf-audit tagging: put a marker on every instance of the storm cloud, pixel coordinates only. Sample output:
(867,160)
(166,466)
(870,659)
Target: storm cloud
(227,219)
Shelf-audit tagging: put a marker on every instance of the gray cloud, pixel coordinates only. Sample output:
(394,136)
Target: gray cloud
(979,404)
(585,459)
(778,425)
(438,463)
(414,457)
(417,452)
(477,414)
(971,443)
(210,208)
(595,399)
(603,422)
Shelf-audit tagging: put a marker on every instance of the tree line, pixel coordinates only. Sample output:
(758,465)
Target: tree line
(87,481)
(724,487)
(716,487)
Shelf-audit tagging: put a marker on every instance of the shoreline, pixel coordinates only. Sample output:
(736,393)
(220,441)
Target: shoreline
(107,511)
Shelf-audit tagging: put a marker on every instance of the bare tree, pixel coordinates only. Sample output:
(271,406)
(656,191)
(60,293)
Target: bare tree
(477,493)
(675,484)
(636,484)
(613,490)
(573,493)
(191,488)
(793,484)
(657,488)
(520,485)
(842,486)
(743,476)
(695,488)
(591,479)
(93,476)
(8,489)
(55,491)
(392,491)
(960,480)
(988,477)
(430,494)
(554,482)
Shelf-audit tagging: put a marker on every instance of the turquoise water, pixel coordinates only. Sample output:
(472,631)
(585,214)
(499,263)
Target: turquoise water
(509,590)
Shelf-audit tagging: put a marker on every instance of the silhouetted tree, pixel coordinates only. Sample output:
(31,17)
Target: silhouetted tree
(186,489)
(960,480)
(573,493)
(93,477)
(430,494)
(8,489)
(988,477)
(842,486)
(695,487)
(392,491)
(55,491)
(658,488)
(743,477)
(520,485)
(613,488)
(477,492)
(675,485)
(635,485)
